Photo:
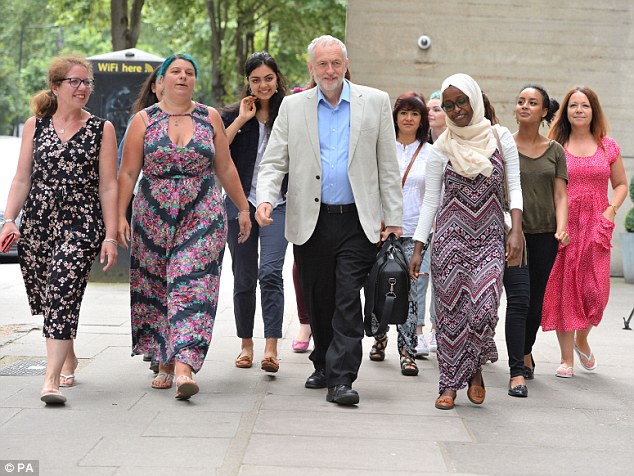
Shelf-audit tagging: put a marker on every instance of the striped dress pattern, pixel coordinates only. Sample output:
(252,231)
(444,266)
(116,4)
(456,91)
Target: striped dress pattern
(467,265)
(178,239)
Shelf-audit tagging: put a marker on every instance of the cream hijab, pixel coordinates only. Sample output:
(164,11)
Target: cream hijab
(468,148)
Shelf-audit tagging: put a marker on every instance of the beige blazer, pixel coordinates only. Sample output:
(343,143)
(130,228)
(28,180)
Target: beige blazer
(373,169)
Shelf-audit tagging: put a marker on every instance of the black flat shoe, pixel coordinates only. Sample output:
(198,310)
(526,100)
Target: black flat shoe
(343,395)
(317,379)
(518,391)
(529,373)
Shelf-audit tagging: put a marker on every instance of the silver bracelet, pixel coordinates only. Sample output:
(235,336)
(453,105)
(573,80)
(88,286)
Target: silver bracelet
(8,220)
(110,240)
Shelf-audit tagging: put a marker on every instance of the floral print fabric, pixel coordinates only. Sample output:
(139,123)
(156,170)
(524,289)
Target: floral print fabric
(178,239)
(62,224)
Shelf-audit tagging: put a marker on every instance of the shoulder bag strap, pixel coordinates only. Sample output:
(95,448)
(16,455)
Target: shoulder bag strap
(411,162)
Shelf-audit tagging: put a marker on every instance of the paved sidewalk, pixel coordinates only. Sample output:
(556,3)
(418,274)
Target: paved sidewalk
(245,422)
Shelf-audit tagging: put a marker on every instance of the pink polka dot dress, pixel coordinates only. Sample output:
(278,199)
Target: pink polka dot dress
(579,284)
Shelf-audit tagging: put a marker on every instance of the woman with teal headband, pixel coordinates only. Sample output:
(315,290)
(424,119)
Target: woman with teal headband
(179,224)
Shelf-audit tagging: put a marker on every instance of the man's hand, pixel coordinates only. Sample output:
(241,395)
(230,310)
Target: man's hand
(263,214)
(395,230)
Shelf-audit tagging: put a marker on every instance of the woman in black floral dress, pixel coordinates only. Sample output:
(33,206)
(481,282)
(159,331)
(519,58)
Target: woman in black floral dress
(66,187)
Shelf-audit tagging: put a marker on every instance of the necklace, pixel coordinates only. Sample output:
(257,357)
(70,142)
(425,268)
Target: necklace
(62,129)
(176,118)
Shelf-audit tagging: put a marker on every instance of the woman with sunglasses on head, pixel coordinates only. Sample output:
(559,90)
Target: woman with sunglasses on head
(468,251)
(579,285)
(249,123)
(65,186)
(544,221)
(412,151)
(179,224)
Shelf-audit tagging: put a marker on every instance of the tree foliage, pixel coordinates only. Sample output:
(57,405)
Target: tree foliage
(220,34)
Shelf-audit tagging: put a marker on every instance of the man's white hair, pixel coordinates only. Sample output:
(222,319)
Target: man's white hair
(326,40)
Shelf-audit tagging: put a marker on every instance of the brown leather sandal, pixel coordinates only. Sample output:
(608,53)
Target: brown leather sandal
(244,361)
(445,402)
(270,364)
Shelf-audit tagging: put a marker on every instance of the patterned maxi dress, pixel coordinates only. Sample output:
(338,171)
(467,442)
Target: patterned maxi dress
(579,285)
(467,264)
(178,239)
(62,224)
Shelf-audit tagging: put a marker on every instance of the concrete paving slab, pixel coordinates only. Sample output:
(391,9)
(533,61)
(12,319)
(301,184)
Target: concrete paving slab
(162,471)
(211,424)
(80,471)
(258,470)
(59,424)
(7,414)
(335,452)
(543,460)
(177,453)
(52,452)
(359,425)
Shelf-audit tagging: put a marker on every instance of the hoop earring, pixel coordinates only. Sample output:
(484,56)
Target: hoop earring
(249,92)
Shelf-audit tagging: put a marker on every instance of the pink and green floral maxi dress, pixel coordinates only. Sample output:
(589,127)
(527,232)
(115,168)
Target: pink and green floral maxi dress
(178,240)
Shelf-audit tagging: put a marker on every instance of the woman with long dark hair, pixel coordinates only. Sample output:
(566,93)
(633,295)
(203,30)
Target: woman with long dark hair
(544,219)
(249,123)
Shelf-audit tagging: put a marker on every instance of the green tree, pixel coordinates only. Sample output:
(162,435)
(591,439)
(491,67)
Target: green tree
(220,34)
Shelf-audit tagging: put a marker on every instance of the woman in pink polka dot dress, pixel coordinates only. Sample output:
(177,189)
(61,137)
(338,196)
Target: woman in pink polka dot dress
(579,284)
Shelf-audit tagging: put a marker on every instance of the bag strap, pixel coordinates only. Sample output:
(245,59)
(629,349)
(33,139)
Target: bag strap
(411,162)
(506,177)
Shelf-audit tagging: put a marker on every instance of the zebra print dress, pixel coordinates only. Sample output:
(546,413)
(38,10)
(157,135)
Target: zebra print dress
(467,264)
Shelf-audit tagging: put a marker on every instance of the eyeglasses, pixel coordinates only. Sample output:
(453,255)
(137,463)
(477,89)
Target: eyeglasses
(449,106)
(75,82)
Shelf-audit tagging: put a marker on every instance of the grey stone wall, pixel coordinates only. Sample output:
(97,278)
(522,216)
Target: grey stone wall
(503,45)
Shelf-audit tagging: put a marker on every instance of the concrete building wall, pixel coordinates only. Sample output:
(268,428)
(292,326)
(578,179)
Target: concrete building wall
(503,44)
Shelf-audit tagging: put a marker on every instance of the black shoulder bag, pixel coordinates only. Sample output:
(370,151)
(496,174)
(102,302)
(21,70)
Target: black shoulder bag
(387,289)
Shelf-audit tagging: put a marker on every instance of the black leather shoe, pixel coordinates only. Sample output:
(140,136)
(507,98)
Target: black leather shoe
(518,391)
(317,379)
(343,395)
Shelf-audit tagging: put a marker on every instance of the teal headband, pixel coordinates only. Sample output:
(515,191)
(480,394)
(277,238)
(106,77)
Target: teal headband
(435,95)
(168,61)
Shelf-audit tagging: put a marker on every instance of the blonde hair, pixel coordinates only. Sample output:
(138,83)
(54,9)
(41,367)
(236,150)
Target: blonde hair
(44,102)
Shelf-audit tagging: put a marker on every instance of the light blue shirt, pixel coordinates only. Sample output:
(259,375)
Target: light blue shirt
(334,141)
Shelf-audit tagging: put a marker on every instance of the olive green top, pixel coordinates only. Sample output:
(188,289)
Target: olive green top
(538,176)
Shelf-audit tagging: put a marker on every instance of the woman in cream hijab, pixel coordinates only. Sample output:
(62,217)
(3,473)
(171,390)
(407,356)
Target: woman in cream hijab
(468,254)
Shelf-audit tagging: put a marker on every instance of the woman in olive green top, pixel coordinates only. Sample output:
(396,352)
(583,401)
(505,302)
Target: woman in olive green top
(545,218)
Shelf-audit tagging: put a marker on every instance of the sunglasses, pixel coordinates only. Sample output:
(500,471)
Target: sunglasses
(449,106)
